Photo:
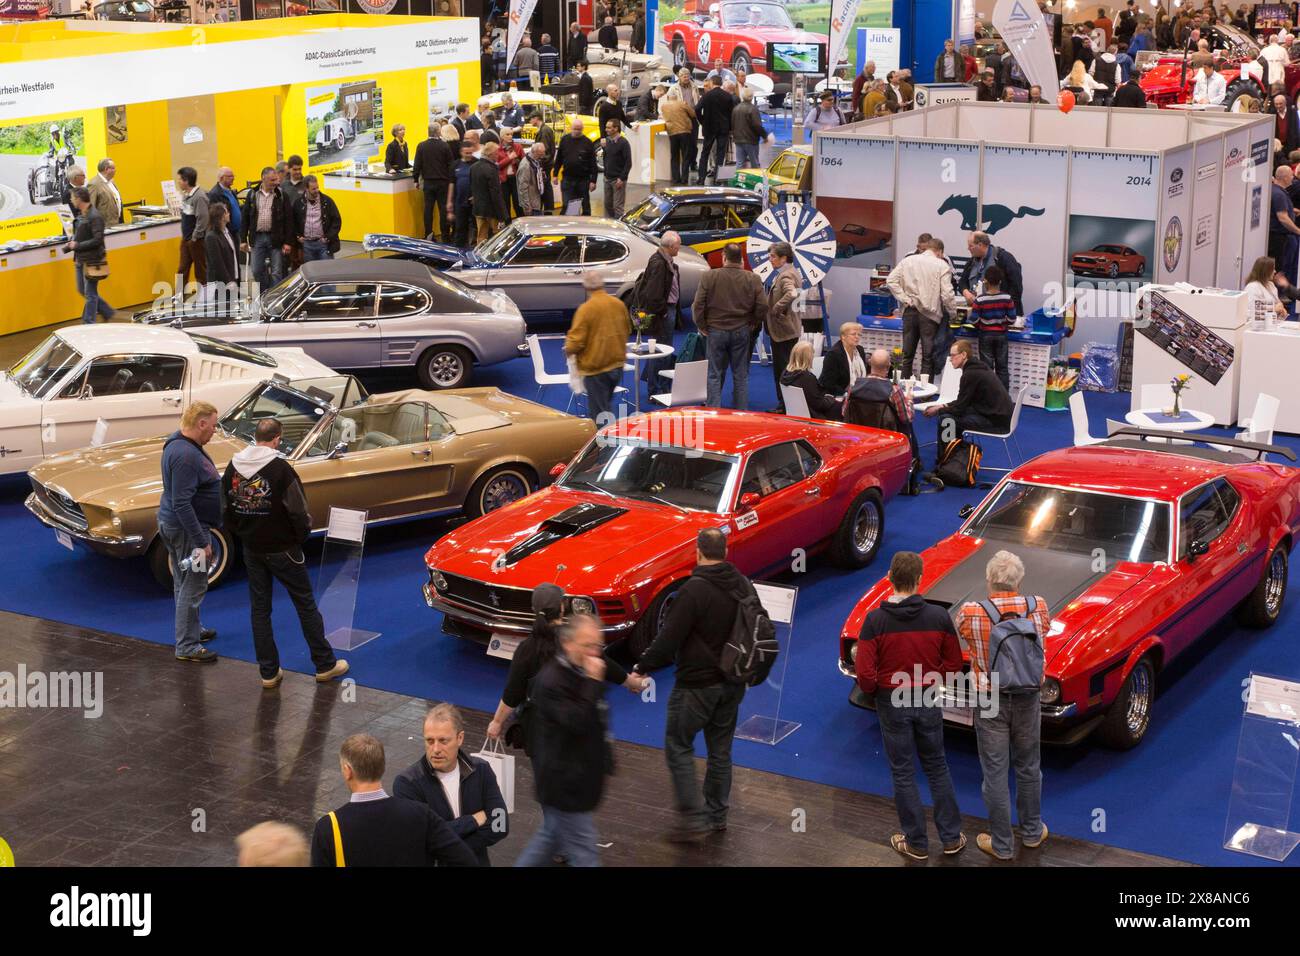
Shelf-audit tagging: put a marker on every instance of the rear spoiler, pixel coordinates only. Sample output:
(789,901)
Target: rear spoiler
(1282,450)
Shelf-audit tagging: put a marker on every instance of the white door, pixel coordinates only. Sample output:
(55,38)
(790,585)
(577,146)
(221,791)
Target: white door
(137,396)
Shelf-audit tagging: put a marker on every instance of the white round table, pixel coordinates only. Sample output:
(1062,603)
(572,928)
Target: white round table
(1141,418)
(923,390)
(660,350)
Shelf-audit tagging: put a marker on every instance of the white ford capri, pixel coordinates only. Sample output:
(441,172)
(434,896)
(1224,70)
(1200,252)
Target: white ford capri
(90,384)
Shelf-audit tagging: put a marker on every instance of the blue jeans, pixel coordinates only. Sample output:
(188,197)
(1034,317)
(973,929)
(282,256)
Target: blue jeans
(746,155)
(713,712)
(910,733)
(89,288)
(264,248)
(572,835)
(728,349)
(600,394)
(314,250)
(1011,740)
(189,587)
(993,353)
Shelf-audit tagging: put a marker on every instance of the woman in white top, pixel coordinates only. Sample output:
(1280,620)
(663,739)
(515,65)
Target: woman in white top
(1083,84)
(1265,289)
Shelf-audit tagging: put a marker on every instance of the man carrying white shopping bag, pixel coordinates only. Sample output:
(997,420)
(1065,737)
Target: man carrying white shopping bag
(461,788)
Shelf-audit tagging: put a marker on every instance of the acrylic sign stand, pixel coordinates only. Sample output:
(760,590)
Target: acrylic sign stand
(765,699)
(1263,783)
(340,574)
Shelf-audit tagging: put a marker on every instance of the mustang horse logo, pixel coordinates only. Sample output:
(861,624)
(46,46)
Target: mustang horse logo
(995,217)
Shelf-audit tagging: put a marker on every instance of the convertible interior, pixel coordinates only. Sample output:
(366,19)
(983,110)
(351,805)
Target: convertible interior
(365,427)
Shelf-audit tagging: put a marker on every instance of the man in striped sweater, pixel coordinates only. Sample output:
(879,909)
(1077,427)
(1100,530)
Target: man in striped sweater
(994,312)
(906,646)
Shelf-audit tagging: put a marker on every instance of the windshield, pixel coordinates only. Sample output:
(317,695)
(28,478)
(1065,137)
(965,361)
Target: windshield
(279,297)
(494,250)
(453,286)
(40,370)
(1112,527)
(1235,44)
(648,213)
(735,16)
(682,477)
(297,411)
(230,350)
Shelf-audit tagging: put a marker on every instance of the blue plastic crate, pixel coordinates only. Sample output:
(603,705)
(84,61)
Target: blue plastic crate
(879,303)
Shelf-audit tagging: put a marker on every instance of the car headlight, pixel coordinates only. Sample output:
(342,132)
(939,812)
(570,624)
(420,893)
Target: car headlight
(853,652)
(1051,692)
(582,605)
(438,581)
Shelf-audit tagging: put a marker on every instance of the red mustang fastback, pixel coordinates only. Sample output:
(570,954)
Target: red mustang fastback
(1108,260)
(735,31)
(617,530)
(1138,549)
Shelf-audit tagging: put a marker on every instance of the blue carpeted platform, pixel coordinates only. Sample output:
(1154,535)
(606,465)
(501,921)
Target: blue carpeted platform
(1169,796)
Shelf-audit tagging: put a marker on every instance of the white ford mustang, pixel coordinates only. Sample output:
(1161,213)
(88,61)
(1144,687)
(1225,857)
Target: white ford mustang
(88,384)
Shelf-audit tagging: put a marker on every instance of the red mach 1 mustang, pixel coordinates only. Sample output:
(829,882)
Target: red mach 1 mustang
(735,31)
(617,529)
(1138,549)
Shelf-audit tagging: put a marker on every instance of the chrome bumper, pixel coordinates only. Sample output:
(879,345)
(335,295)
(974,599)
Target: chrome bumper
(1049,711)
(493,625)
(126,546)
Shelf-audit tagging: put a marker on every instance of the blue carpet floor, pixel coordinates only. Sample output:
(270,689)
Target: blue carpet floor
(1169,796)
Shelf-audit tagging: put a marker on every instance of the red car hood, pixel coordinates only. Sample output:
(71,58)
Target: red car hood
(1075,593)
(1167,76)
(582,541)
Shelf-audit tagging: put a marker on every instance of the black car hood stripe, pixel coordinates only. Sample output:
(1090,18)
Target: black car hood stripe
(1057,577)
(568,523)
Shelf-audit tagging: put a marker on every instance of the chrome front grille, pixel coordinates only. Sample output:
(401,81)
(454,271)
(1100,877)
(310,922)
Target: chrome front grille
(490,600)
(61,505)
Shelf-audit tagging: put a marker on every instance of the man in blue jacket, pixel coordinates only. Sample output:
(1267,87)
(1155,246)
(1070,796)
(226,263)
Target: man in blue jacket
(190,506)
(461,789)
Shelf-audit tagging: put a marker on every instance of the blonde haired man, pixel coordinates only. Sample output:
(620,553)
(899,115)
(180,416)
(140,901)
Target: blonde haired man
(272,844)
(190,506)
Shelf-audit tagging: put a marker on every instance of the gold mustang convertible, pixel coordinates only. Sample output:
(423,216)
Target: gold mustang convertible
(397,455)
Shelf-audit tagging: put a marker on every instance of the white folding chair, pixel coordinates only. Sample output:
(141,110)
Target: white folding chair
(795,401)
(1258,427)
(815,339)
(949,385)
(690,385)
(1079,418)
(1009,436)
(542,377)
(817,365)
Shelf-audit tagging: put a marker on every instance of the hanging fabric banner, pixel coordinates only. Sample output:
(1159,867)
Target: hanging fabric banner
(843,13)
(1025,32)
(521,11)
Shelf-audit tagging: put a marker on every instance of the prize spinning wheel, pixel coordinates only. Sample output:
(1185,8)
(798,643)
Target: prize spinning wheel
(809,234)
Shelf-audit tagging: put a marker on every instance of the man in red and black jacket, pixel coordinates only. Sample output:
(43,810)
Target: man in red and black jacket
(906,645)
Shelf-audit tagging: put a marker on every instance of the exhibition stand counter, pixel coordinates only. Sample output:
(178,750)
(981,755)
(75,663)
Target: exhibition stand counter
(1269,361)
(376,202)
(651,154)
(39,286)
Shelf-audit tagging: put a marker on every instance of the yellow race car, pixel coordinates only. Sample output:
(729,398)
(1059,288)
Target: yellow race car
(552,115)
(783,173)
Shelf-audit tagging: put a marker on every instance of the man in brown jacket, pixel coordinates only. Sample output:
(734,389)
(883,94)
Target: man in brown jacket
(597,340)
(729,305)
(783,326)
(104,195)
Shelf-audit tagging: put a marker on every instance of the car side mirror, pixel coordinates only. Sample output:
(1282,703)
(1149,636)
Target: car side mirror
(1197,548)
(966,511)
(747,501)
(338,451)
(558,470)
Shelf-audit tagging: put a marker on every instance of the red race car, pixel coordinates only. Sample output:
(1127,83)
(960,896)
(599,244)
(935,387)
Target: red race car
(617,529)
(1138,549)
(1108,260)
(734,31)
(1169,78)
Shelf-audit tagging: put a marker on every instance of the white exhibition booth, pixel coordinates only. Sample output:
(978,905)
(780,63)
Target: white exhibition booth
(1185,194)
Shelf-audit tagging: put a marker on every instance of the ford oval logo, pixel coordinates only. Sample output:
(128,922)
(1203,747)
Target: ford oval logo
(1177,175)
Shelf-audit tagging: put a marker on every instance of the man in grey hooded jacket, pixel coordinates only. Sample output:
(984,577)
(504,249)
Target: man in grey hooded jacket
(266,508)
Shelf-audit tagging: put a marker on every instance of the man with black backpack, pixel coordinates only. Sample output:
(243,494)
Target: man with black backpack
(720,640)
(1004,638)
(906,646)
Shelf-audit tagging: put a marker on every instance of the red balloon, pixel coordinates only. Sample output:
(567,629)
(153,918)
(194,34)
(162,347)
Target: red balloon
(1065,100)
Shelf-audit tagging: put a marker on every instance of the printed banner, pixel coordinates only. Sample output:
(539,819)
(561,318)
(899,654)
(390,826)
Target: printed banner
(521,11)
(843,13)
(1025,31)
(1021,208)
(44,87)
(938,193)
(1175,215)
